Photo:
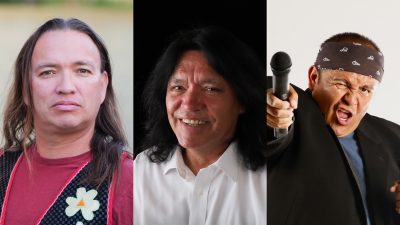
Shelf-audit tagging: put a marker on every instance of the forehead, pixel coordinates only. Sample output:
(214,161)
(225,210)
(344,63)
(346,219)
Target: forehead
(194,63)
(353,78)
(65,45)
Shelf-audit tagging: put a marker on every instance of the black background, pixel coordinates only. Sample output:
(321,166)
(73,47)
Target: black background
(156,21)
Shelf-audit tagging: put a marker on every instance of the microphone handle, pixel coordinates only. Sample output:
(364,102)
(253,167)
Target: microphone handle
(280,89)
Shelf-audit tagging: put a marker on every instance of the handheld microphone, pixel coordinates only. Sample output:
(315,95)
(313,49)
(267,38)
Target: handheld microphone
(280,66)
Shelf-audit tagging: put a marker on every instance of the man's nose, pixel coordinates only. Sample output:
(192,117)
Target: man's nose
(192,99)
(351,97)
(66,84)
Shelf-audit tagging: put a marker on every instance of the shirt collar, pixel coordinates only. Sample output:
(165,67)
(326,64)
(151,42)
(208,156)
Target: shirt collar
(229,162)
(173,161)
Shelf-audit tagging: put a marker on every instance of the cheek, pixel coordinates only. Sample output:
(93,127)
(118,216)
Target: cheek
(39,92)
(328,98)
(170,104)
(363,106)
(224,110)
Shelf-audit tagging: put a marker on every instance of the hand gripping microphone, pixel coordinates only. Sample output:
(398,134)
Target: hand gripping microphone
(280,66)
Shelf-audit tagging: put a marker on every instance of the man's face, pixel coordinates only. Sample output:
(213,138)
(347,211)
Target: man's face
(342,96)
(66,82)
(202,108)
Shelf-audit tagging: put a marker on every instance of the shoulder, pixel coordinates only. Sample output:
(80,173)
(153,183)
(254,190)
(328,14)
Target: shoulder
(126,161)
(142,162)
(144,167)
(380,129)
(143,157)
(125,174)
(123,195)
(126,170)
(374,122)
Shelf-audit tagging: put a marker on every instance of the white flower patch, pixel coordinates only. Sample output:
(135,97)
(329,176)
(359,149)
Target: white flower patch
(371,57)
(326,59)
(83,202)
(344,49)
(355,63)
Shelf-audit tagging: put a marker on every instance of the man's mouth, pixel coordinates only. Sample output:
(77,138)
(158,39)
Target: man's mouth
(66,105)
(193,123)
(343,116)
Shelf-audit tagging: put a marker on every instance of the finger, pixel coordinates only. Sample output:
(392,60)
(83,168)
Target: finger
(275,102)
(278,125)
(293,97)
(280,113)
(275,122)
(395,187)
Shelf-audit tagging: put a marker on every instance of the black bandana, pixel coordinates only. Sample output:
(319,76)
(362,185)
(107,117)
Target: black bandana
(351,57)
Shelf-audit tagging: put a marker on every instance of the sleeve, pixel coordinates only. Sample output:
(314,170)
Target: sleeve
(122,208)
(275,147)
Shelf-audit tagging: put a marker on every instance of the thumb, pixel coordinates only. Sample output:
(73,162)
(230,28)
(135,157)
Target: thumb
(394,186)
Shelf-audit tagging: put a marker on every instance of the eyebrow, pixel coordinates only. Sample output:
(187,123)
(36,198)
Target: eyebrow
(176,81)
(369,86)
(56,65)
(210,81)
(206,81)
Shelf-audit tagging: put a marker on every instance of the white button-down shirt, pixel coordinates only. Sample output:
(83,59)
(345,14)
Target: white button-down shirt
(224,193)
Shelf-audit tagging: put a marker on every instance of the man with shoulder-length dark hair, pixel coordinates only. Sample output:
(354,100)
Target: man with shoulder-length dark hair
(63,161)
(337,164)
(205,134)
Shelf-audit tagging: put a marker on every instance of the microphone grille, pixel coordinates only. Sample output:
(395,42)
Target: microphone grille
(280,61)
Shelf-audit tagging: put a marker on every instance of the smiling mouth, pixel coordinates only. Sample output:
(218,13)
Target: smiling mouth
(193,123)
(343,116)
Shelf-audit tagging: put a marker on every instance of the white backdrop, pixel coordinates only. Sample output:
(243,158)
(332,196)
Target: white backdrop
(299,27)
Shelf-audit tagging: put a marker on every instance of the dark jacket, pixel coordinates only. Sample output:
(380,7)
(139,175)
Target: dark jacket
(310,181)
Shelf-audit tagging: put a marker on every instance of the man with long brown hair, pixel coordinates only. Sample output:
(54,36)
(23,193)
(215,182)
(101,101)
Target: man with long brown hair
(63,161)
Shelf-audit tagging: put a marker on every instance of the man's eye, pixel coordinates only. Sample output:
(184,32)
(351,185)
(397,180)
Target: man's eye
(176,88)
(83,71)
(47,73)
(365,91)
(212,89)
(341,85)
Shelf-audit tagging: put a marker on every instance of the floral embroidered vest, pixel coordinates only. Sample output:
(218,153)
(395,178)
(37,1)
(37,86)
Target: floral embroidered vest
(77,204)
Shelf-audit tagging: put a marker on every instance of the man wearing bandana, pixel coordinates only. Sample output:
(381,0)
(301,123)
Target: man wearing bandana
(337,165)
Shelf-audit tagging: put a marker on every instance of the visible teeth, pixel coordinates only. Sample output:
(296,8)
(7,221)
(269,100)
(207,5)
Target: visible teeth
(193,122)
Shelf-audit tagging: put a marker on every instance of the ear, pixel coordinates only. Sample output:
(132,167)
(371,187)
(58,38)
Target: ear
(104,85)
(313,77)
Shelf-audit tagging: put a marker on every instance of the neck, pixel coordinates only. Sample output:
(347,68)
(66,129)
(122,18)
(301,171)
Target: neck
(56,145)
(196,159)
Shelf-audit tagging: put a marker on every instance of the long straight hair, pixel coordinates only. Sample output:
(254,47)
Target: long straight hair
(19,133)
(237,64)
